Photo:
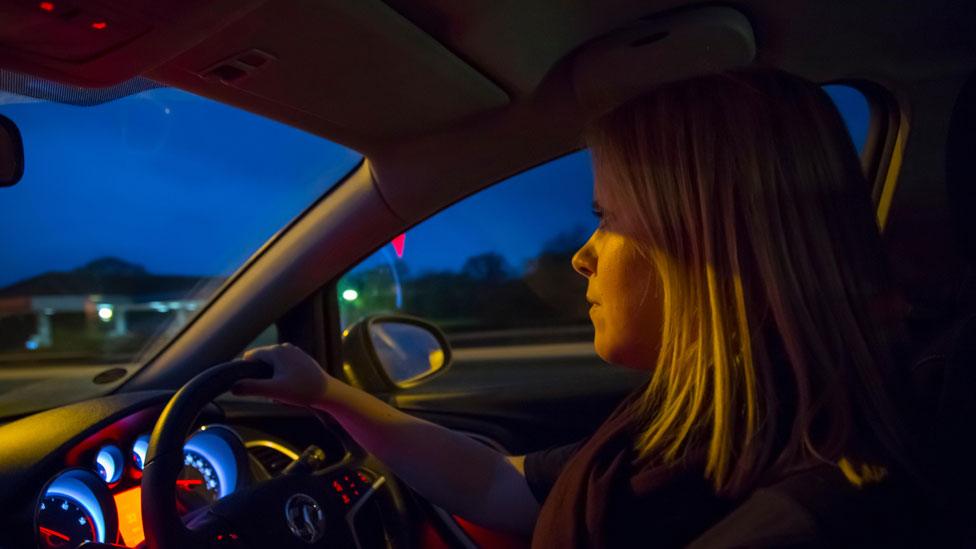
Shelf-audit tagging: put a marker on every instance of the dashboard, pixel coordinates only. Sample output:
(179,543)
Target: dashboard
(73,474)
(99,497)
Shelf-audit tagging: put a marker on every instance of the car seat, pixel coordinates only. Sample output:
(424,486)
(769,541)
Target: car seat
(944,373)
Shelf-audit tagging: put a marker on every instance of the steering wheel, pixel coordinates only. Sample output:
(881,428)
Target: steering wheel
(300,508)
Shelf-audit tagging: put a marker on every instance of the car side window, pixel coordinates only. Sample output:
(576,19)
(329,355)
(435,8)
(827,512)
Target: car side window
(493,269)
(267,337)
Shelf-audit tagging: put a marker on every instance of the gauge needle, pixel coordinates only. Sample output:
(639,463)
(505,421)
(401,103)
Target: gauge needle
(51,533)
(188,483)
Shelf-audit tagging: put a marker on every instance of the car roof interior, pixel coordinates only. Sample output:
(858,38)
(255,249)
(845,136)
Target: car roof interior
(445,97)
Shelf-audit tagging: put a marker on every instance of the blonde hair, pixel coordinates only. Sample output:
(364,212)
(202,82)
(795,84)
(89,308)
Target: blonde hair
(745,192)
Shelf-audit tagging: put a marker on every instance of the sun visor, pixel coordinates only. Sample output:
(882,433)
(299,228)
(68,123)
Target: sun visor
(358,66)
(628,62)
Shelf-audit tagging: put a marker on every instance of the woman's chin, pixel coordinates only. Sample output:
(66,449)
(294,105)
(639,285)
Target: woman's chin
(620,355)
(608,353)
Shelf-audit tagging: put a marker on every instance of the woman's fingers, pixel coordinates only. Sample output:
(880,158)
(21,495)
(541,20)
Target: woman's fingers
(267,354)
(297,377)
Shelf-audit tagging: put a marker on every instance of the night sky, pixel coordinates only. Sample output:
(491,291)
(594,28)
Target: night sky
(183,185)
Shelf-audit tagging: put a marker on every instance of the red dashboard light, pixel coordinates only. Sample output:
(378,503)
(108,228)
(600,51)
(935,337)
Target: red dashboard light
(46,6)
(99,25)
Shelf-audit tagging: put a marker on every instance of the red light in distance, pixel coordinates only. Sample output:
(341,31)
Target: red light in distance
(46,6)
(398,244)
(99,25)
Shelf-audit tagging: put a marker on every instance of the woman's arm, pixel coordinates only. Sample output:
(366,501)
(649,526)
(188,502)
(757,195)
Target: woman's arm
(451,470)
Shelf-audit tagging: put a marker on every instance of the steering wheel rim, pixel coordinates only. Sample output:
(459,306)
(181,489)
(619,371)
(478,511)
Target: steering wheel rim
(162,523)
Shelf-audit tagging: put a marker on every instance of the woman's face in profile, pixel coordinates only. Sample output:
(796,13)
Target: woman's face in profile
(624,292)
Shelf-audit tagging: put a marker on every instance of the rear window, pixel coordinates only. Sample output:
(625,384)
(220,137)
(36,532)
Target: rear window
(854,109)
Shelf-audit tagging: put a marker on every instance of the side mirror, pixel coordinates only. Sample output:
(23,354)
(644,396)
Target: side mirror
(11,153)
(385,353)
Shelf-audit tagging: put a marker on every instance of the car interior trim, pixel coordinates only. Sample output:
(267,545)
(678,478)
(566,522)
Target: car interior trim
(358,506)
(891,171)
(281,448)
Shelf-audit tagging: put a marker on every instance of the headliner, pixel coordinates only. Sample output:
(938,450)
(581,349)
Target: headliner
(445,97)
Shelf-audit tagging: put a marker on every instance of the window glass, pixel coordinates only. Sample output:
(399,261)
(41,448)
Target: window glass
(268,337)
(492,268)
(131,213)
(854,108)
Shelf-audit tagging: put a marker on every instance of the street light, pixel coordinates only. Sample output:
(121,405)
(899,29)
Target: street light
(105,312)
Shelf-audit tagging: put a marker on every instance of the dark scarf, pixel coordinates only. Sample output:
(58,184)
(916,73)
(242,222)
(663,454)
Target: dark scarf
(601,500)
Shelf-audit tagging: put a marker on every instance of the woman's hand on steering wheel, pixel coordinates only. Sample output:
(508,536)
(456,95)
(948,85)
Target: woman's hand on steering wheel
(298,379)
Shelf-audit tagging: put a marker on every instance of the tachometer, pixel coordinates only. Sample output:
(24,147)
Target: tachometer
(75,507)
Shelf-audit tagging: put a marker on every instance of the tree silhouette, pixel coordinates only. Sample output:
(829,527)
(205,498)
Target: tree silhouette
(489,268)
(485,294)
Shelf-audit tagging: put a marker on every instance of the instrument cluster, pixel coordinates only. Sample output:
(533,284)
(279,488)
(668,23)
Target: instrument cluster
(99,498)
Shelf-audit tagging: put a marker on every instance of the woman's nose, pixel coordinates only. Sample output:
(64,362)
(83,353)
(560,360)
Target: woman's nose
(584,260)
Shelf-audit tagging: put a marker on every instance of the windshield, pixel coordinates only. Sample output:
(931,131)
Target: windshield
(129,216)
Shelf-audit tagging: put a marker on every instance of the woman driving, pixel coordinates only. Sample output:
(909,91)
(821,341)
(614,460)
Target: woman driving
(738,259)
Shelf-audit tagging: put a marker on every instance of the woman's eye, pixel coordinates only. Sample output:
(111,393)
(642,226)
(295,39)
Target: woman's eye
(601,216)
(598,211)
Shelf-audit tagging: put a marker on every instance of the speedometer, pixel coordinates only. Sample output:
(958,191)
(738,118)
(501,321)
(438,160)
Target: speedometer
(214,466)
(198,478)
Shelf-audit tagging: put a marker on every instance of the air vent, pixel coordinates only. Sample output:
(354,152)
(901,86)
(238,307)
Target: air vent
(272,456)
(108,376)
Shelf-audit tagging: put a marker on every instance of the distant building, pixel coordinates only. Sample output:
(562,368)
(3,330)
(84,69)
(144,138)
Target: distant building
(104,297)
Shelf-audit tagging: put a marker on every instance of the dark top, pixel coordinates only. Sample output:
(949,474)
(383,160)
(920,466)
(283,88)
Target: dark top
(592,497)
(542,468)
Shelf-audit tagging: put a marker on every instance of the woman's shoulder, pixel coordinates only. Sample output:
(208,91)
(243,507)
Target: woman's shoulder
(818,507)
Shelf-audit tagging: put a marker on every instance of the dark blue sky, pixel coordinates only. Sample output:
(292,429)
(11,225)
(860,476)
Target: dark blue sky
(175,183)
(183,185)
